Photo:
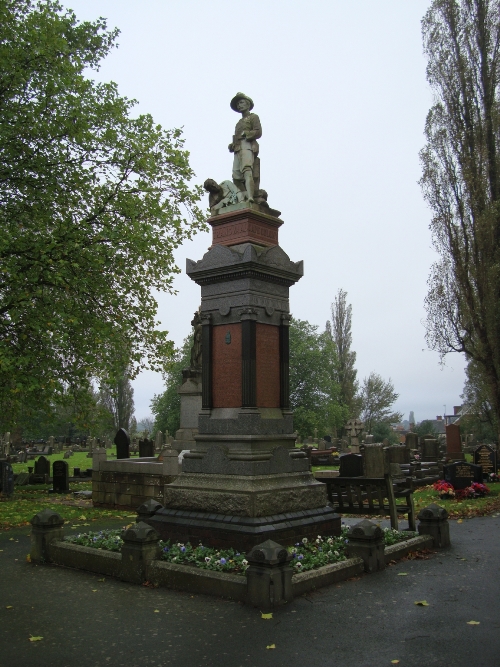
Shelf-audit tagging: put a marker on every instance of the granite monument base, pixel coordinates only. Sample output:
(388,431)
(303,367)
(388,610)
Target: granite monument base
(226,531)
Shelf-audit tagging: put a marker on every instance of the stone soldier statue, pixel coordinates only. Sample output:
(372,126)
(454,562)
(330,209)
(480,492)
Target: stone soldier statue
(196,349)
(246,164)
(222,194)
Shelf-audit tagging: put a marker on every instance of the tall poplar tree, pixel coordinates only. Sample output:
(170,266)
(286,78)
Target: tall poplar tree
(461,183)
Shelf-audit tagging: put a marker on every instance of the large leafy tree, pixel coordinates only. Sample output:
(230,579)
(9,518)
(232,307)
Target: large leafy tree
(461,182)
(377,397)
(93,202)
(314,390)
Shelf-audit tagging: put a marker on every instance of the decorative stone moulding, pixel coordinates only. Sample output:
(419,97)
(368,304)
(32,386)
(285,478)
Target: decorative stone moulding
(245,226)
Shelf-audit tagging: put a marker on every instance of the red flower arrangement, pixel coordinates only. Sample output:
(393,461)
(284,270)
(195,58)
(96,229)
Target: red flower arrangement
(446,490)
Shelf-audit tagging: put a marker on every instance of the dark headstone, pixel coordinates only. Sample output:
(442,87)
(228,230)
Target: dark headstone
(22,458)
(485,456)
(146,448)
(42,466)
(122,442)
(6,479)
(76,472)
(462,474)
(22,479)
(351,465)
(60,477)
(328,438)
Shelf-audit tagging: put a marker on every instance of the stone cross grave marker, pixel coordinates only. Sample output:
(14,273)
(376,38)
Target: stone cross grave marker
(122,442)
(351,465)
(60,477)
(6,478)
(159,441)
(485,456)
(462,474)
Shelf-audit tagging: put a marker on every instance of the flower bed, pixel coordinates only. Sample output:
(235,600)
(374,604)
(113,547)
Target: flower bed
(306,555)
(447,491)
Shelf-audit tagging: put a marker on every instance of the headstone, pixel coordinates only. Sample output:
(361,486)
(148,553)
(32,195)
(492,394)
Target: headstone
(461,474)
(76,472)
(430,449)
(23,457)
(327,438)
(369,439)
(322,445)
(6,444)
(42,466)
(122,442)
(159,441)
(146,448)
(351,465)
(453,442)
(22,479)
(398,454)
(107,444)
(90,445)
(60,477)
(411,440)
(67,454)
(98,455)
(485,456)
(6,479)
(375,464)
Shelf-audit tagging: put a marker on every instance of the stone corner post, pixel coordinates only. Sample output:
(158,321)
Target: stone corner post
(148,509)
(433,521)
(366,541)
(269,576)
(45,527)
(140,547)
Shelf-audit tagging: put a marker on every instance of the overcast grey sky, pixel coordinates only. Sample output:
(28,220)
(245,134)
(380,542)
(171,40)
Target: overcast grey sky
(341,92)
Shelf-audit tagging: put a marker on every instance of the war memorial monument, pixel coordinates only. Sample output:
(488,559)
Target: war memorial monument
(243,480)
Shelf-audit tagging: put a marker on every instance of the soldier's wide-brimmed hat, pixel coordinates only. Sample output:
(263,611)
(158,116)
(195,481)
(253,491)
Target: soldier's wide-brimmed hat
(237,98)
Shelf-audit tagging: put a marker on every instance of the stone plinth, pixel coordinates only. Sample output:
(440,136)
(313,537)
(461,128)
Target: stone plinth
(248,225)
(243,474)
(128,483)
(190,393)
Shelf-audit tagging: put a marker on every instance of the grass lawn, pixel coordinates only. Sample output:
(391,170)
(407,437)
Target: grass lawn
(27,501)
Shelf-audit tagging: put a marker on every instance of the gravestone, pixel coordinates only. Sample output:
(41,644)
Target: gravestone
(375,464)
(60,477)
(398,454)
(159,441)
(76,472)
(351,465)
(6,479)
(327,438)
(67,454)
(461,474)
(430,449)
(22,479)
(23,457)
(122,442)
(411,440)
(453,442)
(485,456)
(42,466)
(146,448)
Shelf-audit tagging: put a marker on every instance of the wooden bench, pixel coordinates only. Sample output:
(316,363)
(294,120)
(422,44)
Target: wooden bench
(370,495)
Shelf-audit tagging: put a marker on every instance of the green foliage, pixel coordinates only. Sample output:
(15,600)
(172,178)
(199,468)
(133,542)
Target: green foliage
(376,398)
(107,540)
(461,183)
(382,430)
(479,419)
(166,407)
(314,391)
(425,427)
(340,332)
(93,203)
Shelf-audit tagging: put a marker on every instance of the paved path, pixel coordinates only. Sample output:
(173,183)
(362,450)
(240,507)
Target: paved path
(364,623)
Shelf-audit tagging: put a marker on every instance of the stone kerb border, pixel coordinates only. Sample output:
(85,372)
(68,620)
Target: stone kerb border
(139,562)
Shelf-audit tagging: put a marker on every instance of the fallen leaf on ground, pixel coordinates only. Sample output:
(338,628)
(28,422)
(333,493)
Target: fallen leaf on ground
(9,607)
(473,622)
(394,662)
(94,590)
(266,616)
(271,646)
(460,521)
(11,539)
(35,639)
(28,558)
(422,603)
(83,517)
(131,516)
(157,611)
(402,574)
(101,580)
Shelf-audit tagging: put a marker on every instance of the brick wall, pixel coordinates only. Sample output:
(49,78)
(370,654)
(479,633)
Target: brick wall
(268,366)
(226,360)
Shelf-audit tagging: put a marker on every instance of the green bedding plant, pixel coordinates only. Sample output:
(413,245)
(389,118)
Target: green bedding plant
(306,554)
